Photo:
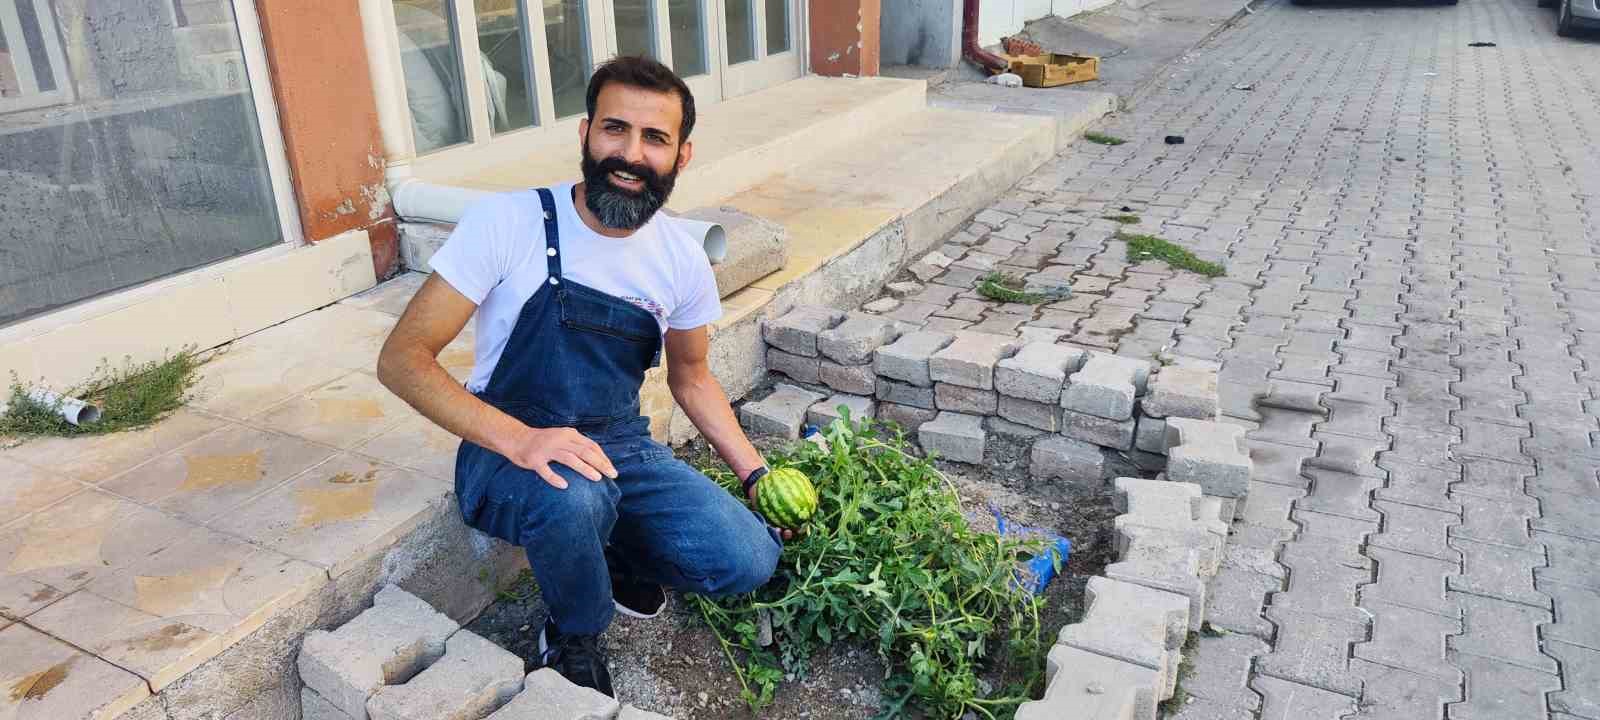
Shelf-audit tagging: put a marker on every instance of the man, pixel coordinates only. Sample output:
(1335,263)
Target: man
(576,289)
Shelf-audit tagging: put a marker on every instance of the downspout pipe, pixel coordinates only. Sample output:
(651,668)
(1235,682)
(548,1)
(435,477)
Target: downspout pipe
(969,40)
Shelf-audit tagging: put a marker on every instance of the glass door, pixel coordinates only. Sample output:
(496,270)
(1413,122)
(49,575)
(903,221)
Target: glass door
(761,44)
(678,33)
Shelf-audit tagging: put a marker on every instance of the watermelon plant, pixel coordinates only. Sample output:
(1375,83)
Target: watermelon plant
(888,561)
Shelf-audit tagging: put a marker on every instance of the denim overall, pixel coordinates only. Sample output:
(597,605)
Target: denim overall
(576,358)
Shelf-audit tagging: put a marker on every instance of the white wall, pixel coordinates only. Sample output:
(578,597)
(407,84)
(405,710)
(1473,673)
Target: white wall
(999,18)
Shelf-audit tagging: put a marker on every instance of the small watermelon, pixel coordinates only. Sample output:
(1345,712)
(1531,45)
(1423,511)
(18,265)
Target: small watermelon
(787,498)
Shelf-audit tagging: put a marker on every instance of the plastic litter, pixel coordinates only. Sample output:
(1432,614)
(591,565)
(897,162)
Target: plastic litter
(1035,574)
(813,435)
(1006,80)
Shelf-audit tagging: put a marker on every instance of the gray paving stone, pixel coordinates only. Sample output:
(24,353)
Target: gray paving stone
(796,331)
(1175,573)
(1505,631)
(548,696)
(630,712)
(1116,434)
(1059,457)
(1313,650)
(970,359)
(853,341)
(313,707)
(1150,434)
(1237,600)
(1498,571)
(1084,684)
(386,644)
(1287,700)
(1220,670)
(797,367)
(908,417)
(825,411)
(1208,454)
(1132,623)
(906,359)
(474,678)
(1037,372)
(1103,387)
(781,413)
(954,436)
(1576,622)
(1044,416)
(1580,670)
(1497,690)
(1182,392)
(890,391)
(1407,638)
(853,379)
(965,400)
(1411,580)
(1390,693)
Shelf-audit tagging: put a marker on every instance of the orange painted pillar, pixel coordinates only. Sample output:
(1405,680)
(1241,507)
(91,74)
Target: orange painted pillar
(844,37)
(329,117)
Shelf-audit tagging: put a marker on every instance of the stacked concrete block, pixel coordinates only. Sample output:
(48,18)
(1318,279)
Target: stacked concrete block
(386,644)
(1099,399)
(792,339)
(781,413)
(1134,624)
(906,359)
(848,350)
(1209,454)
(826,411)
(899,393)
(474,678)
(1180,391)
(548,696)
(910,418)
(1088,686)
(954,436)
(970,360)
(1063,458)
(1165,540)
(1030,383)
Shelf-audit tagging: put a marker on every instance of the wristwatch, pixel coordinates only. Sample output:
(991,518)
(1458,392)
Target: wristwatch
(750,480)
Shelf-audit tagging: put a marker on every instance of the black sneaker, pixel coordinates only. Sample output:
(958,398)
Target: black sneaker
(577,657)
(637,599)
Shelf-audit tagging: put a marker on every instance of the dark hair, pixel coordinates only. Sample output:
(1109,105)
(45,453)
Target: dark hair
(647,74)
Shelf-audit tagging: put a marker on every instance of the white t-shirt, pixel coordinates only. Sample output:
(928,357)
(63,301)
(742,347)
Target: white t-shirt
(496,258)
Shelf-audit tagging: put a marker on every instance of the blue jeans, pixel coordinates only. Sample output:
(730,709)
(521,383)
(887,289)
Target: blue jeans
(664,521)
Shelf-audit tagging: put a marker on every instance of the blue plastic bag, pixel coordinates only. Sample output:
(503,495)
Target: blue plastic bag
(1035,573)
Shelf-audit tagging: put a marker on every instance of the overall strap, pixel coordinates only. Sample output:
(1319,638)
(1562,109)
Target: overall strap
(552,236)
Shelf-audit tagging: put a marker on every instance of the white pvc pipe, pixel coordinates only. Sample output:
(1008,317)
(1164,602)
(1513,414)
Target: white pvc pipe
(71,409)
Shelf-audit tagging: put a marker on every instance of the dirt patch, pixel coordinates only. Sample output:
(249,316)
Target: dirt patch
(674,665)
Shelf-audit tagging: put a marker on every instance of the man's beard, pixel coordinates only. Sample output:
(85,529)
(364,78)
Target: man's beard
(615,207)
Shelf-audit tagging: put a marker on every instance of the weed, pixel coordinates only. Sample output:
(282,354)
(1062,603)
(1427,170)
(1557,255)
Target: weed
(1008,288)
(521,589)
(1126,219)
(136,396)
(1150,247)
(888,561)
(1103,139)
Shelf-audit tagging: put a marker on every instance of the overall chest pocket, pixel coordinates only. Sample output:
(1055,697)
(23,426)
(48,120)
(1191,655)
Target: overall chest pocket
(608,316)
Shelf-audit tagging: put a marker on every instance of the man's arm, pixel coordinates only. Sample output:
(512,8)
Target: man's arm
(408,365)
(703,400)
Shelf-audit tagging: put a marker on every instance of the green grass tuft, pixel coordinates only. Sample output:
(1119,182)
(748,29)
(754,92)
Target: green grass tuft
(1008,288)
(1124,219)
(136,396)
(1150,247)
(1103,139)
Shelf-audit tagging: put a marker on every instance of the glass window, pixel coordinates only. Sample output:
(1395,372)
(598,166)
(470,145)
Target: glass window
(636,27)
(741,23)
(688,37)
(147,161)
(502,40)
(429,57)
(777,26)
(566,32)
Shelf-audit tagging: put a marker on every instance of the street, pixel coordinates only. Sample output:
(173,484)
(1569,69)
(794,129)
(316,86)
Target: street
(1410,326)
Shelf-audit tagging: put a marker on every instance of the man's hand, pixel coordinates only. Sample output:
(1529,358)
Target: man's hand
(787,534)
(536,448)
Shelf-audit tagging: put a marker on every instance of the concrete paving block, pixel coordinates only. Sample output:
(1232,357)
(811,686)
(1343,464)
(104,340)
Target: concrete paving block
(474,678)
(1182,392)
(1103,387)
(954,436)
(1135,539)
(1037,372)
(853,341)
(314,707)
(1060,457)
(1174,573)
(780,413)
(1207,453)
(902,290)
(1085,686)
(906,359)
(386,644)
(826,411)
(901,393)
(970,359)
(548,696)
(630,712)
(1200,708)
(1044,416)
(1313,649)
(797,367)
(1016,432)
(1116,434)
(1141,625)
(853,379)
(796,331)
(1143,496)
(908,417)
(957,398)
(1286,700)
(1150,434)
